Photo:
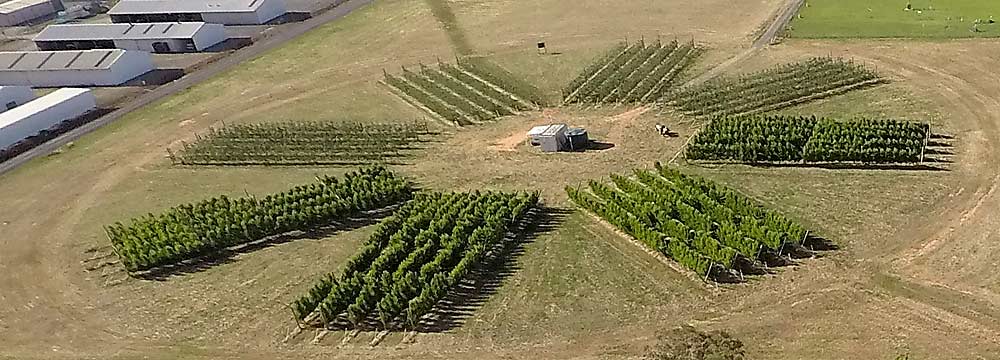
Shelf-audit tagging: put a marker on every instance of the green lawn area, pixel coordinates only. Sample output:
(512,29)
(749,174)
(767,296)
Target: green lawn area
(889,19)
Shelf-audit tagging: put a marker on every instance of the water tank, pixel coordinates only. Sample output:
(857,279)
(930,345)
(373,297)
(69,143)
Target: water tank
(578,140)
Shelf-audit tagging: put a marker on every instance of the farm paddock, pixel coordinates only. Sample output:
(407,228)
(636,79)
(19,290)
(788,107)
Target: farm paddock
(882,294)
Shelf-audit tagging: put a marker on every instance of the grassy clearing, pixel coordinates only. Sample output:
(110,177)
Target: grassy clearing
(888,19)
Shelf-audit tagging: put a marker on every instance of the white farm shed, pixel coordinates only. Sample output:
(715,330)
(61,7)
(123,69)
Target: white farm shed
(152,37)
(14,96)
(43,113)
(72,68)
(228,12)
(16,12)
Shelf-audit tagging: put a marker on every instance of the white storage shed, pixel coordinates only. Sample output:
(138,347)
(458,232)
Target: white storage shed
(228,12)
(152,37)
(550,138)
(14,96)
(17,12)
(44,113)
(73,68)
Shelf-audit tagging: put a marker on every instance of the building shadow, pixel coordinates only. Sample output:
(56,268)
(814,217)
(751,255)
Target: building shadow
(290,17)
(598,146)
(233,43)
(471,293)
(51,133)
(156,77)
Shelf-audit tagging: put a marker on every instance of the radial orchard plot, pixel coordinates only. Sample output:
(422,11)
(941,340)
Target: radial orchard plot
(413,259)
(632,73)
(775,139)
(707,228)
(772,89)
(190,231)
(303,143)
(470,93)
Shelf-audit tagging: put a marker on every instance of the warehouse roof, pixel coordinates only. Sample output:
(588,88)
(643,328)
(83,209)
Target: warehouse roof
(59,60)
(184,6)
(35,106)
(174,30)
(14,5)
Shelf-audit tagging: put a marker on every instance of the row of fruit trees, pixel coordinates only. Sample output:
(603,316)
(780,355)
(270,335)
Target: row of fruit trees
(194,230)
(773,88)
(302,143)
(472,92)
(707,228)
(636,73)
(412,260)
(778,138)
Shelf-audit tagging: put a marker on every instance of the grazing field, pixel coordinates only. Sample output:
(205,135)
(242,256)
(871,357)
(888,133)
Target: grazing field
(889,19)
(303,143)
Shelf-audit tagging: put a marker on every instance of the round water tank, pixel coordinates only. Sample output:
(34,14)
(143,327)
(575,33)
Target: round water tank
(578,140)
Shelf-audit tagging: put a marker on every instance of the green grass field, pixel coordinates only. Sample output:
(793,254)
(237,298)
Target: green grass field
(889,19)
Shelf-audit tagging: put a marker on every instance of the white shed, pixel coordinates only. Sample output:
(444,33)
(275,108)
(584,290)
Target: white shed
(44,113)
(551,138)
(228,12)
(73,68)
(17,12)
(152,37)
(14,96)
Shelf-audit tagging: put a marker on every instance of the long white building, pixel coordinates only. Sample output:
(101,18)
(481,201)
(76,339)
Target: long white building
(17,12)
(228,12)
(171,37)
(73,68)
(14,96)
(43,113)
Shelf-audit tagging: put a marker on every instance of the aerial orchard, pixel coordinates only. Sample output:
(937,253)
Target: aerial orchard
(772,89)
(193,230)
(632,73)
(472,92)
(797,139)
(709,229)
(413,259)
(302,143)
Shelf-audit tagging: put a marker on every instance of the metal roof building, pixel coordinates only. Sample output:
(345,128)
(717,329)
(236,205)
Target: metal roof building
(228,12)
(43,113)
(16,12)
(14,96)
(72,68)
(151,37)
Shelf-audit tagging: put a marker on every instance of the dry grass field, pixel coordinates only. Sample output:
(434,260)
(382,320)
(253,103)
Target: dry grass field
(915,273)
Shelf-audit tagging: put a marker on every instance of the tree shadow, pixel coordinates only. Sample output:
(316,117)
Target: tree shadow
(816,243)
(470,294)
(228,255)
(859,166)
(939,151)
(812,247)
